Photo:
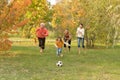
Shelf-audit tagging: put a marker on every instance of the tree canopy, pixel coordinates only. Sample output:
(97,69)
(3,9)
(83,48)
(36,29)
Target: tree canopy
(101,19)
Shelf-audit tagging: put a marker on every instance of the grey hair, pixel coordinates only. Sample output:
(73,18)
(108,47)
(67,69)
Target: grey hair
(42,24)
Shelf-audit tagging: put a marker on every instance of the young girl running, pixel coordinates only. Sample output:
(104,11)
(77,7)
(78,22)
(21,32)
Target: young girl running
(59,44)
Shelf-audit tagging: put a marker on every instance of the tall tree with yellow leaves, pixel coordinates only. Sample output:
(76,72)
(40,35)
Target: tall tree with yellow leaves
(38,12)
(67,14)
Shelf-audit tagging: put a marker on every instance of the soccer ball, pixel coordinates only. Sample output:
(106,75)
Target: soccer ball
(59,64)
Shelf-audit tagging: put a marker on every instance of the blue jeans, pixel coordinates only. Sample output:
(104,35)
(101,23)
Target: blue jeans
(59,50)
(79,41)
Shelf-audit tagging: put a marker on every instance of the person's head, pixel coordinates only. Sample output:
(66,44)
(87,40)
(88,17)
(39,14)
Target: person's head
(42,25)
(66,31)
(59,39)
(81,25)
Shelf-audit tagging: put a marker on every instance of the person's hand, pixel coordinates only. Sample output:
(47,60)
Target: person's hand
(56,46)
(80,33)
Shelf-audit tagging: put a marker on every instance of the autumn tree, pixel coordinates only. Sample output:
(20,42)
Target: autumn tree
(11,12)
(103,18)
(113,12)
(67,14)
(38,12)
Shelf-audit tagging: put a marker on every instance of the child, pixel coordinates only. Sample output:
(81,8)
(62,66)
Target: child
(59,43)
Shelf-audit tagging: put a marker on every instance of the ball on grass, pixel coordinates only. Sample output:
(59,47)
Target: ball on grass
(59,64)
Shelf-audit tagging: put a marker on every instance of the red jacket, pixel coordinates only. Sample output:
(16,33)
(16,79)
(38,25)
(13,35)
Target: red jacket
(41,32)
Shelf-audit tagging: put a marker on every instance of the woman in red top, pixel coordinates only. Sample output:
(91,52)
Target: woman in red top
(41,34)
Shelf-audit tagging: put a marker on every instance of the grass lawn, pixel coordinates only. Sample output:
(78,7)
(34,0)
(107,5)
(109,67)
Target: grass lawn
(26,63)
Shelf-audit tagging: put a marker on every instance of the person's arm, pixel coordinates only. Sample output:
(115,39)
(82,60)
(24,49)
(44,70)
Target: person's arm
(83,31)
(56,45)
(65,43)
(70,36)
(46,32)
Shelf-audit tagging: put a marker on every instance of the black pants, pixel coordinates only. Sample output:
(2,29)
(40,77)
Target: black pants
(69,42)
(41,42)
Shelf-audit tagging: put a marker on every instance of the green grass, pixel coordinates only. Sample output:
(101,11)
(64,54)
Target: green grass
(26,63)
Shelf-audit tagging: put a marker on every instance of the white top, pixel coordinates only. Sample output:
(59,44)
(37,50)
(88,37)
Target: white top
(80,32)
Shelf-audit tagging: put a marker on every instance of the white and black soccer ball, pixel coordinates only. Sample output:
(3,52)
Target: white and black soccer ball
(59,64)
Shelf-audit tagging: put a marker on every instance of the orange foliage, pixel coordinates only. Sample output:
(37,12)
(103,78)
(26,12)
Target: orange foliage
(22,23)
(10,20)
(27,2)
(5,44)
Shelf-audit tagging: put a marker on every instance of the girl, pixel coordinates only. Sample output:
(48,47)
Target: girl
(59,43)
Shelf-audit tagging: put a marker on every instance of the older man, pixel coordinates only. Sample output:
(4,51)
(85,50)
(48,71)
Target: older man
(41,34)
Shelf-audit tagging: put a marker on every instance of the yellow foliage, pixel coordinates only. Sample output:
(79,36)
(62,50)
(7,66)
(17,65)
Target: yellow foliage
(69,13)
